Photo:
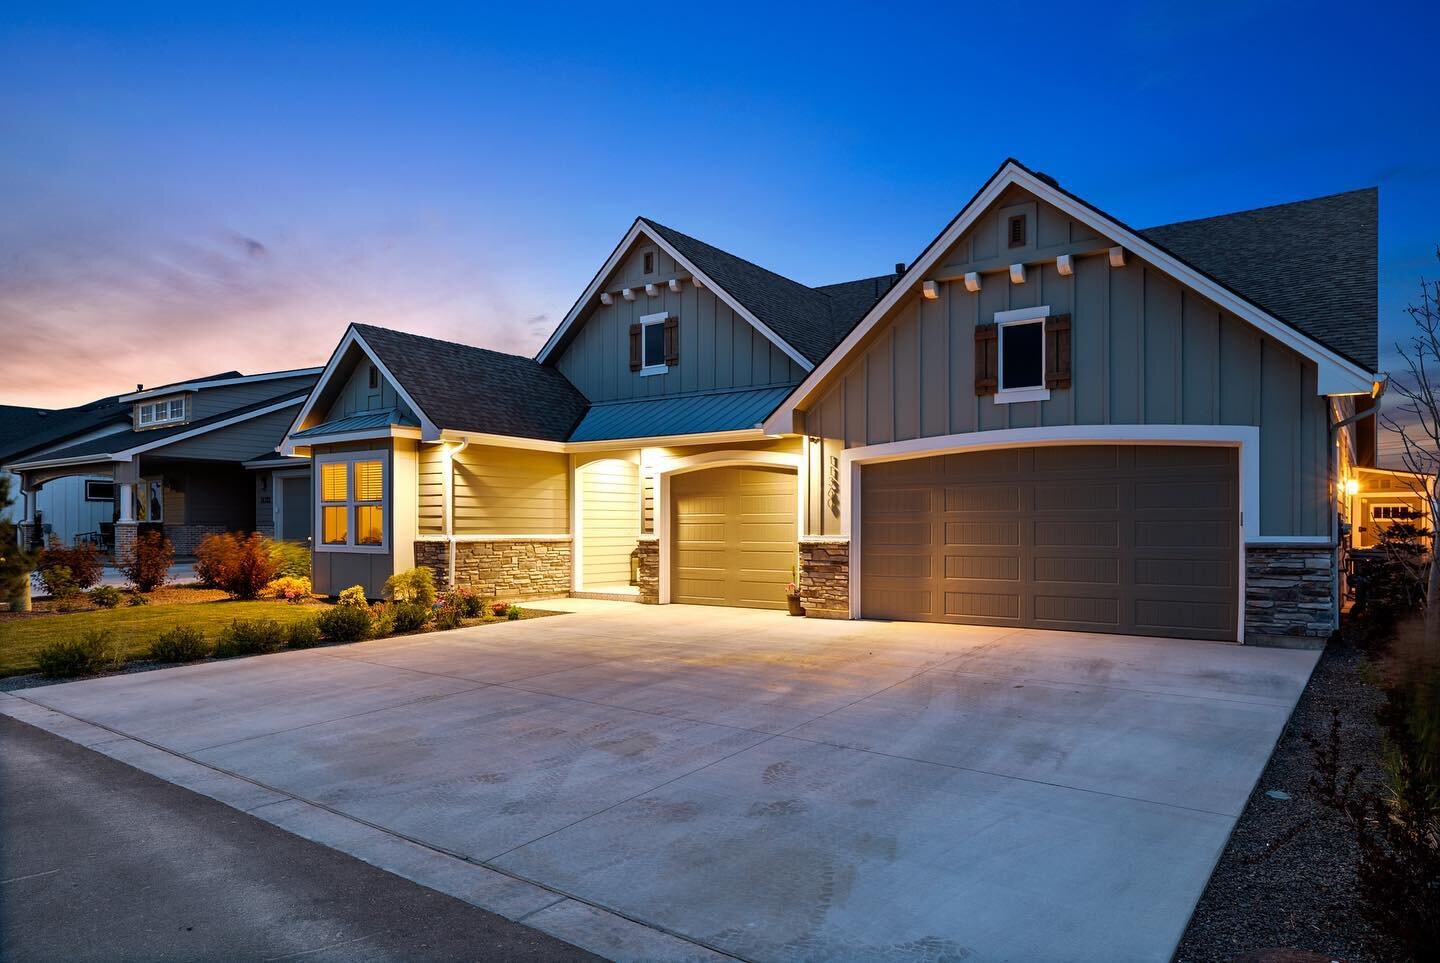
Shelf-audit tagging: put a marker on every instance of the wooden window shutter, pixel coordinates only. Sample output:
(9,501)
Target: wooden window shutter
(672,340)
(987,359)
(1057,351)
(636,358)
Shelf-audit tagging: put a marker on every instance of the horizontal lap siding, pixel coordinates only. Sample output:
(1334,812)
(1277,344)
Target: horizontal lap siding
(611,520)
(431,467)
(1146,351)
(511,491)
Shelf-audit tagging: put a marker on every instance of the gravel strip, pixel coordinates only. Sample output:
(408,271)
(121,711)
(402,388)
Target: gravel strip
(1287,878)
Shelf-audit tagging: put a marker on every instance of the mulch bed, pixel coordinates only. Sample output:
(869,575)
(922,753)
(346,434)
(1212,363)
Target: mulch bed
(1286,881)
(165,595)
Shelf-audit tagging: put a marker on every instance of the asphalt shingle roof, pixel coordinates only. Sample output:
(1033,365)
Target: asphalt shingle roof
(24,430)
(1311,264)
(125,440)
(810,320)
(475,389)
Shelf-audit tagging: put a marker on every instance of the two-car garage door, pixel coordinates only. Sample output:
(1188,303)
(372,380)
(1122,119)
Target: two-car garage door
(1105,538)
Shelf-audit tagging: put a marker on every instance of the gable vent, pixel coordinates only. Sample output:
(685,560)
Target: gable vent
(1017,230)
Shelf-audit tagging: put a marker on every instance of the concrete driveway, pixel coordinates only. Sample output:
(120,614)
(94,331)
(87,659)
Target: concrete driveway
(739,781)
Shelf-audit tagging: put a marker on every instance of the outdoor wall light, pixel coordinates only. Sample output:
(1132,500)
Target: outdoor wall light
(1351,486)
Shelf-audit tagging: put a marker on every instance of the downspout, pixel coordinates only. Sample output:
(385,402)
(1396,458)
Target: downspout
(450,454)
(1377,392)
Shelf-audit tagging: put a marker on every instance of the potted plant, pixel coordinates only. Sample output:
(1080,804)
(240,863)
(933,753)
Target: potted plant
(792,599)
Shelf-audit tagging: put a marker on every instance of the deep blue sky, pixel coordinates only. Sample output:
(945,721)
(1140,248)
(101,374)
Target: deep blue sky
(190,190)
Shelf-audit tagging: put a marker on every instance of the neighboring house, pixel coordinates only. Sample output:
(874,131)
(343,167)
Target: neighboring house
(188,459)
(1050,419)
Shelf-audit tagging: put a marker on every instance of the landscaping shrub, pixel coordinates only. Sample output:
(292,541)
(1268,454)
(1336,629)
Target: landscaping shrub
(239,564)
(344,623)
(105,596)
(467,600)
(15,562)
(409,616)
(289,588)
(183,643)
(448,614)
(138,600)
(93,652)
(512,613)
(250,637)
(354,597)
(499,608)
(147,563)
(67,569)
(292,560)
(415,585)
(304,634)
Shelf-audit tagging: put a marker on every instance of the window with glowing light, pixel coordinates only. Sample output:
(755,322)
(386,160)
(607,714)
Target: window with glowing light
(351,493)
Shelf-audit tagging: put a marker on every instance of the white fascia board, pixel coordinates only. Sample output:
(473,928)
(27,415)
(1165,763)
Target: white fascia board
(429,431)
(1336,374)
(289,445)
(640,227)
(216,383)
(95,459)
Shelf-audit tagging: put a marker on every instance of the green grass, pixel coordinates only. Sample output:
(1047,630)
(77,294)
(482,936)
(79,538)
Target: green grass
(134,627)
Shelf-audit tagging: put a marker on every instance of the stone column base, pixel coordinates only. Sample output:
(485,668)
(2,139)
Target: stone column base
(125,534)
(1289,592)
(502,569)
(825,577)
(647,553)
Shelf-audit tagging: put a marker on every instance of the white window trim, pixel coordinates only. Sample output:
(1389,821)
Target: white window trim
(318,543)
(99,481)
(1006,319)
(159,412)
(646,321)
(1390,504)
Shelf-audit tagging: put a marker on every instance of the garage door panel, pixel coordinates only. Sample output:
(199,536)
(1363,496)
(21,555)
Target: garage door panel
(902,501)
(1077,534)
(1125,539)
(733,533)
(981,498)
(1083,570)
(1077,498)
(1099,613)
(999,568)
(983,605)
(982,533)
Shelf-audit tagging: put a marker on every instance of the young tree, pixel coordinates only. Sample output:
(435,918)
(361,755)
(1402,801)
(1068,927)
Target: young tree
(1416,420)
(15,563)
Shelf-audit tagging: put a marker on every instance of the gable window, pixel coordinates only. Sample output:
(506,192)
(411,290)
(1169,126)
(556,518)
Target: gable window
(654,343)
(647,261)
(373,378)
(163,412)
(1017,230)
(1023,355)
(351,497)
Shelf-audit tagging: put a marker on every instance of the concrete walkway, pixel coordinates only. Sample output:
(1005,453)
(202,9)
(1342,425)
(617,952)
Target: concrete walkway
(740,782)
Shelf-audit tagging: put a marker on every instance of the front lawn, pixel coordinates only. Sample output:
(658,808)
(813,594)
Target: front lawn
(22,636)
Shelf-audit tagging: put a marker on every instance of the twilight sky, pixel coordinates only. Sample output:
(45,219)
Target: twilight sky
(184,190)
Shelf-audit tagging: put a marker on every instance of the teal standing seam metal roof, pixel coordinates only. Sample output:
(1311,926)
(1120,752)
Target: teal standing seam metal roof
(685,415)
(360,422)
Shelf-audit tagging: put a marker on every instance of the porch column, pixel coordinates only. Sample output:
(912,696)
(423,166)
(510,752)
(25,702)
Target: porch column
(31,502)
(127,502)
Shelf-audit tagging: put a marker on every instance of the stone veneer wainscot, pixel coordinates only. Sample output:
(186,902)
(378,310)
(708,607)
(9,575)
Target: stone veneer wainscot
(825,577)
(647,555)
(1289,591)
(503,568)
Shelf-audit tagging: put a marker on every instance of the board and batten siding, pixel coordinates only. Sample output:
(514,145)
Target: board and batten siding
(498,491)
(1146,351)
(718,348)
(355,394)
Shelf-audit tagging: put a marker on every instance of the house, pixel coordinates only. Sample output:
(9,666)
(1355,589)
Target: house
(1048,419)
(188,459)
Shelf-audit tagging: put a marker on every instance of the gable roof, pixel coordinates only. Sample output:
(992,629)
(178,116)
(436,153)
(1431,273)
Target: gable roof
(465,388)
(1338,372)
(123,445)
(25,430)
(1312,264)
(220,380)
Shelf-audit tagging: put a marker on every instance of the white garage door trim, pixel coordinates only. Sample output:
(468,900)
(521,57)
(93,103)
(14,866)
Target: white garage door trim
(666,470)
(1244,437)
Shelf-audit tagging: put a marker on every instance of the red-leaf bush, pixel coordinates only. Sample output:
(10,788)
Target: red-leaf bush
(239,564)
(147,564)
(68,569)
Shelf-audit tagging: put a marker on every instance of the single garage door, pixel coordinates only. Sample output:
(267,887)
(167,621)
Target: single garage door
(733,532)
(1139,540)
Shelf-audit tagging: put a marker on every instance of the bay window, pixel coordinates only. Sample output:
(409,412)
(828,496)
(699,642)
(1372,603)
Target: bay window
(351,493)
